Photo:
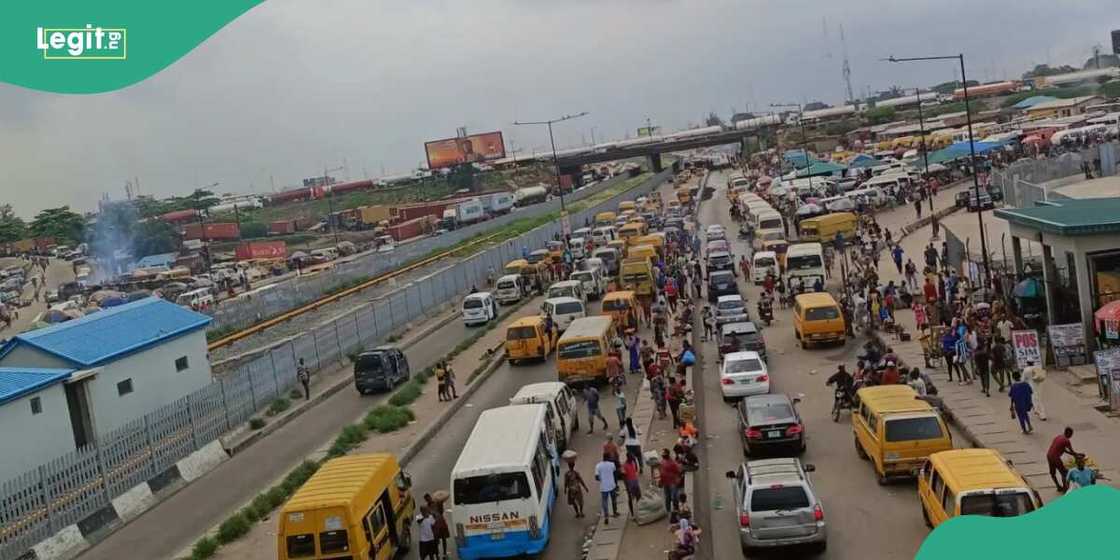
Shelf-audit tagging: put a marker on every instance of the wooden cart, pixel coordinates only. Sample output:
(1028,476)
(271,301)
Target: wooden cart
(931,346)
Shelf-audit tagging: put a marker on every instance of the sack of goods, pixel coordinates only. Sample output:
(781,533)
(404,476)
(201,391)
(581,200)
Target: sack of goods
(687,412)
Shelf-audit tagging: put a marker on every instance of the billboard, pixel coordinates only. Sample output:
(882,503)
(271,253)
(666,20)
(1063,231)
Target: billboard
(469,149)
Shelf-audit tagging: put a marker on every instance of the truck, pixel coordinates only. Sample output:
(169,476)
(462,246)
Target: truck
(530,195)
(497,203)
(465,212)
(373,215)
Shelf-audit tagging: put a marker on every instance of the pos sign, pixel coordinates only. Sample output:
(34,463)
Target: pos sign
(1026,348)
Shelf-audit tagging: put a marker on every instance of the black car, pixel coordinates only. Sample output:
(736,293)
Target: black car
(721,283)
(770,423)
(380,369)
(740,337)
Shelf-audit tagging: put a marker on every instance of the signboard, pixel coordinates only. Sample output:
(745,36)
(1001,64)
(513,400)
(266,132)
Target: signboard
(468,149)
(1108,370)
(648,130)
(1068,342)
(1026,348)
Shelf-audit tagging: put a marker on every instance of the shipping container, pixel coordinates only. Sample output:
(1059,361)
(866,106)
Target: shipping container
(180,216)
(262,250)
(413,211)
(290,196)
(411,228)
(497,203)
(282,227)
(214,232)
(352,186)
(372,215)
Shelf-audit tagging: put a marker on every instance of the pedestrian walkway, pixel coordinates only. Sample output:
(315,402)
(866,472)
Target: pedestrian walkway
(58,272)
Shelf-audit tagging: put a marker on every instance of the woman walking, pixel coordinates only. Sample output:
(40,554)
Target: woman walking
(629,435)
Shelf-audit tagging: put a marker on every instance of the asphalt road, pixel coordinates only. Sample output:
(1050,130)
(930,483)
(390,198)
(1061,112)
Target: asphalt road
(865,520)
(181,518)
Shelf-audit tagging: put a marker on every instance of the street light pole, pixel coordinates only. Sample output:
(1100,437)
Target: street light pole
(804,139)
(555,157)
(925,152)
(972,155)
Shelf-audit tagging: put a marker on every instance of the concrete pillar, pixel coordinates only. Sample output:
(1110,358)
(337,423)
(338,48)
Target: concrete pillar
(655,162)
(1017,256)
(1049,277)
(1085,300)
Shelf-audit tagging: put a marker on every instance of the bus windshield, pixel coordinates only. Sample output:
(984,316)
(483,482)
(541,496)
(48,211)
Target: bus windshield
(491,488)
(579,349)
(803,262)
(615,305)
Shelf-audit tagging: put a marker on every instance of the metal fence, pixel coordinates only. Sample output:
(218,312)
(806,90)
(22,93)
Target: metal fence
(1023,181)
(38,503)
(285,295)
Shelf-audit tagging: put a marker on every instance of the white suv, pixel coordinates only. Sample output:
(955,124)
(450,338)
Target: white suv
(777,505)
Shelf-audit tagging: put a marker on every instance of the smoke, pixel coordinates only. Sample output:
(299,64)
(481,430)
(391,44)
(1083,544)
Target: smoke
(111,239)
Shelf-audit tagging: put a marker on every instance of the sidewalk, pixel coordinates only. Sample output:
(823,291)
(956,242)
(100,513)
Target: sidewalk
(260,542)
(987,422)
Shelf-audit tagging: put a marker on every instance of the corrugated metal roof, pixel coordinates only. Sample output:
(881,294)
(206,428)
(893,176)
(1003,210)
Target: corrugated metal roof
(17,382)
(107,335)
(1068,217)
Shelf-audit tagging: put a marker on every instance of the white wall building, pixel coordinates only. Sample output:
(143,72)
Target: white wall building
(34,418)
(123,363)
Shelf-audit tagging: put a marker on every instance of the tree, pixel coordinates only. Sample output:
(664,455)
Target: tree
(12,227)
(949,87)
(59,223)
(1111,89)
(251,230)
(462,176)
(815,106)
(152,237)
(879,115)
(1046,70)
(201,199)
(713,120)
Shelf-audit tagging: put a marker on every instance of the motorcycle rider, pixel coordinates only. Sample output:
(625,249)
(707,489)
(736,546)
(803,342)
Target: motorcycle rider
(843,381)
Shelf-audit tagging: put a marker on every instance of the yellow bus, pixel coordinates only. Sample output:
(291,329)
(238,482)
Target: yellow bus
(973,482)
(896,431)
(604,219)
(358,506)
(636,274)
(581,354)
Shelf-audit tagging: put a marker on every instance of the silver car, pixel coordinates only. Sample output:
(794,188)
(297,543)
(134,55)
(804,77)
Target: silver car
(731,309)
(777,505)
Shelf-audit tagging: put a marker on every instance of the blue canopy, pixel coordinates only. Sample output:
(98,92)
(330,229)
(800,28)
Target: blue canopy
(821,168)
(863,160)
(1032,101)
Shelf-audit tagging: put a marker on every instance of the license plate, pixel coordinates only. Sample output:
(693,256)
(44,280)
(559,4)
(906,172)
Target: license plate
(774,434)
(745,381)
(497,536)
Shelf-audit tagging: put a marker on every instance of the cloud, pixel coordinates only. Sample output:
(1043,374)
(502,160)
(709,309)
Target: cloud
(292,87)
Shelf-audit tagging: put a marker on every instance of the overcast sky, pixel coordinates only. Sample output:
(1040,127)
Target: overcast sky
(293,86)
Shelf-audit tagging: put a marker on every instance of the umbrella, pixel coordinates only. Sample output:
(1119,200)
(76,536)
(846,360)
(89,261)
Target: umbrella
(297,255)
(1026,289)
(937,168)
(440,496)
(809,210)
(841,205)
(1107,318)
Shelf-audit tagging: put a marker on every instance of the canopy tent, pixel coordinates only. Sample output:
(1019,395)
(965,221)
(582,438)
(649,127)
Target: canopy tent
(1107,318)
(959,150)
(1032,101)
(863,160)
(821,168)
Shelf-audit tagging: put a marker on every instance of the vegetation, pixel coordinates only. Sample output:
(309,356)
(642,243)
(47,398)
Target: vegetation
(204,548)
(1046,70)
(407,394)
(200,199)
(233,528)
(219,333)
(253,230)
(879,115)
(12,227)
(949,87)
(1060,93)
(1111,89)
(60,223)
(256,423)
(277,406)
(388,418)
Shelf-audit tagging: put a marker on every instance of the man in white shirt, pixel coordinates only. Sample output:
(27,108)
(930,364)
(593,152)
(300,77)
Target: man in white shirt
(427,535)
(604,473)
(1035,375)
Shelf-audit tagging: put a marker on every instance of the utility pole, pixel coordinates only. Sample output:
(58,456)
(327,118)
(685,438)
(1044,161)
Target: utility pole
(925,152)
(565,225)
(328,191)
(804,139)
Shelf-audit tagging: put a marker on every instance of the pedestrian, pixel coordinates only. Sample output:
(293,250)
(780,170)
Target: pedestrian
(630,476)
(998,356)
(428,547)
(591,395)
(1036,375)
(669,478)
(574,488)
(674,394)
(1080,475)
(449,379)
(633,344)
(630,435)
(304,377)
(614,370)
(620,404)
(1020,395)
(982,361)
(441,381)
(441,530)
(608,488)
(936,225)
(1061,446)
(896,254)
(918,207)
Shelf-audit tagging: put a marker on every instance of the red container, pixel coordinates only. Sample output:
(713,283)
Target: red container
(410,228)
(282,227)
(413,211)
(352,186)
(262,250)
(290,196)
(214,232)
(180,216)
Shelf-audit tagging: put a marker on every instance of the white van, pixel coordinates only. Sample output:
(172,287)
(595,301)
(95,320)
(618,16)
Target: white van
(768,221)
(594,284)
(563,311)
(807,261)
(479,308)
(872,196)
(601,235)
(509,289)
(567,288)
(761,263)
(503,484)
(561,402)
(578,246)
(197,299)
(610,258)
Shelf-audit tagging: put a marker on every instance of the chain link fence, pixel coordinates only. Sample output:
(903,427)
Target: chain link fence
(38,503)
(1022,181)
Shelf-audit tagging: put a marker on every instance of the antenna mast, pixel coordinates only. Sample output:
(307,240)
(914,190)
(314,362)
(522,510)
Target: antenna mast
(847,68)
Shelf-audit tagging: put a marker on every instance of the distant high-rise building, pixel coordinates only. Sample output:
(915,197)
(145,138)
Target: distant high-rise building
(1116,41)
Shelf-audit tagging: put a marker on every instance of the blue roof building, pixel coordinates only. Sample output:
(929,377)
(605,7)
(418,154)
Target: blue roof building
(76,380)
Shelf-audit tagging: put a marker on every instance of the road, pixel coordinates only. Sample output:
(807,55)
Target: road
(865,520)
(58,272)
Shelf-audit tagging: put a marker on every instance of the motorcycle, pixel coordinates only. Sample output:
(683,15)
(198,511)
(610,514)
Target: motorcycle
(841,400)
(744,233)
(766,312)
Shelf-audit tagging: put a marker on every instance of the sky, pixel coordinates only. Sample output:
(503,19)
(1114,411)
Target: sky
(293,87)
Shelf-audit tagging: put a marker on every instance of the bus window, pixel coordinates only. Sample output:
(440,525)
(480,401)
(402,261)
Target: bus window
(491,488)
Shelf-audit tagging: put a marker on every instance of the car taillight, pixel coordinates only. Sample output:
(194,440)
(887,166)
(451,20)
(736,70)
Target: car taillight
(818,513)
(794,430)
(727,381)
(744,520)
(754,433)
(762,378)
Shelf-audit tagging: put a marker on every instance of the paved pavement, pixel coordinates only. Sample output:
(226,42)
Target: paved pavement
(58,272)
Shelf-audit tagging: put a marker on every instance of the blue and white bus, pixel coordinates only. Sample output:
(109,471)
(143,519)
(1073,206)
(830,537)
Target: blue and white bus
(503,486)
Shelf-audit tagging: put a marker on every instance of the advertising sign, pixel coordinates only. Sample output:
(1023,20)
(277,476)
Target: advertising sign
(1108,370)
(1026,348)
(449,152)
(1068,342)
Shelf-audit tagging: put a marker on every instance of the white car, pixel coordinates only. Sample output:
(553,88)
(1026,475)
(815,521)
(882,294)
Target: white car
(743,374)
(563,311)
(479,308)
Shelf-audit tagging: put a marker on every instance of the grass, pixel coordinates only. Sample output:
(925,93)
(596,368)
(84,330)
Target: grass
(256,423)
(388,418)
(277,406)
(219,333)
(204,548)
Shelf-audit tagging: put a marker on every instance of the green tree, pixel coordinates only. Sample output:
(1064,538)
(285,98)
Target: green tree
(251,230)
(879,115)
(1046,70)
(12,227)
(59,223)
(152,237)
(1111,89)
(462,176)
(948,87)
(201,199)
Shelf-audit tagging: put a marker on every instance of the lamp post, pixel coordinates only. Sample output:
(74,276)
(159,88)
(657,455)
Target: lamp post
(804,138)
(971,152)
(564,224)
(925,152)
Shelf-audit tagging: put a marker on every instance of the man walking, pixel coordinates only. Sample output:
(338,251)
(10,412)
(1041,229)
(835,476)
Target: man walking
(896,254)
(604,473)
(428,546)
(669,477)
(304,378)
(1020,394)
(591,395)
